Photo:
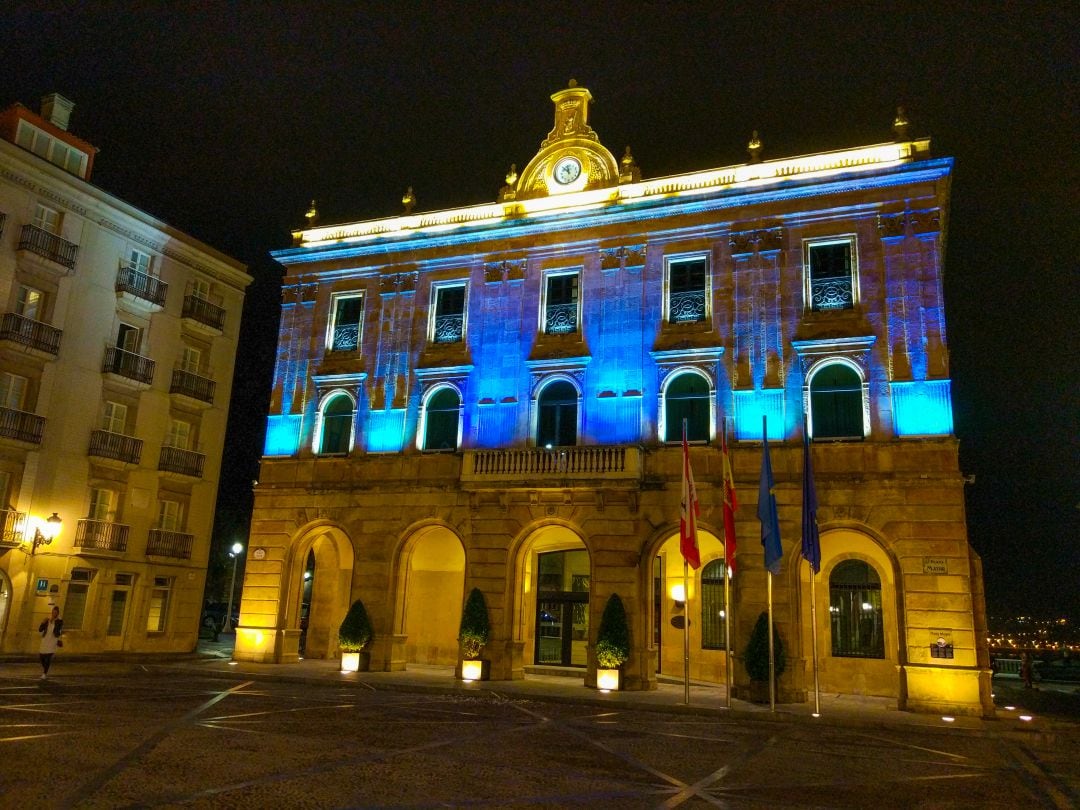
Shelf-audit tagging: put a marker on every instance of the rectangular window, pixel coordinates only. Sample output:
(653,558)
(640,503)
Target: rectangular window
(102,505)
(448,325)
(12,391)
(30,303)
(170,515)
(687,300)
(127,338)
(139,261)
(191,360)
(200,289)
(561,303)
(179,435)
(114,419)
(830,274)
(75,606)
(346,312)
(117,609)
(159,605)
(48,219)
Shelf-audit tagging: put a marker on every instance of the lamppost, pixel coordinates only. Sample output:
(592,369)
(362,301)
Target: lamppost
(45,531)
(235,554)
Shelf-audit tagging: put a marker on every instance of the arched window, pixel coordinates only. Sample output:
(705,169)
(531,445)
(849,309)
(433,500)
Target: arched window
(441,417)
(855,611)
(687,397)
(836,403)
(556,422)
(713,609)
(336,425)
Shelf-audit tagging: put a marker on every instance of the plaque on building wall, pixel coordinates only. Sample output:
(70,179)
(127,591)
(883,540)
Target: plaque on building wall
(935,565)
(259,554)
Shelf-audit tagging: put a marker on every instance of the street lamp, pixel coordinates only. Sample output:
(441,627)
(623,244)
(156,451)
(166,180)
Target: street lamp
(235,554)
(45,531)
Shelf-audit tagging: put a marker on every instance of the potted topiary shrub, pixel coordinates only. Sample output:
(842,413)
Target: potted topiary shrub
(474,634)
(354,635)
(612,644)
(757,659)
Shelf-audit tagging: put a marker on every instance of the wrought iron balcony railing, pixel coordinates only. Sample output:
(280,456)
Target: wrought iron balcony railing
(105,444)
(192,385)
(449,328)
(206,313)
(12,527)
(182,462)
(686,307)
(48,245)
(30,333)
(162,543)
(831,293)
(560,319)
(20,425)
(141,285)
(102,535)
(128,364)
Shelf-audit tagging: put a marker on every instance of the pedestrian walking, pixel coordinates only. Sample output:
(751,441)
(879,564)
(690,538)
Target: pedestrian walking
(51,629)
(1025,668)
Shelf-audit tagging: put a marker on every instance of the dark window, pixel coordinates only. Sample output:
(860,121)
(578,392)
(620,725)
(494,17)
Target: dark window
(830,276)
(713,610)
(836,403)
(441,420)
(557,417)
(686,291)
(336,425)
(345,336)
(561,305)
(449,324)
(855,611)
(687,397)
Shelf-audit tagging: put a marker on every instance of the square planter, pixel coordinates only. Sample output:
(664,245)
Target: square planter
(355,662)
(476,670)
(608,680)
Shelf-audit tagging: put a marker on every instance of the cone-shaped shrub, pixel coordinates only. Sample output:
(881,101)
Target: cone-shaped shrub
(475,627)
(757,651)
(355,631)
(613,638)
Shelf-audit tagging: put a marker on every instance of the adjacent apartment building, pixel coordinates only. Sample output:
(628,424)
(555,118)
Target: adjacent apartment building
(493,397)
(117,342)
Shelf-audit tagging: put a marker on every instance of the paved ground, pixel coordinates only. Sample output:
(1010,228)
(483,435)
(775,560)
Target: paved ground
(204,734)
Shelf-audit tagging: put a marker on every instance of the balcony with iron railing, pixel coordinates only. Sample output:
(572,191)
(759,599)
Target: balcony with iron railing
(833,293)
(30,333)
(115,446)
(101,535)
(21,426)
(176,460)
(449,328)
(686,307)
(204,313)
(162,543)
(129,365)
(48,245)
(12,527)
(560,319)
(141,287)
(192,385)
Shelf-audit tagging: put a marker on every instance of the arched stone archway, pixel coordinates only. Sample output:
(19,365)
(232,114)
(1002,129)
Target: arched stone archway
(6,594)
(431,585)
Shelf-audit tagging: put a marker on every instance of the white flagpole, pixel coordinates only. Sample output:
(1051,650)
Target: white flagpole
(772,660)
(686,632)
(727,636)
(813,639)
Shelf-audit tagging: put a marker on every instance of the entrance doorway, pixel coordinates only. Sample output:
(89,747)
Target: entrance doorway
(562,608)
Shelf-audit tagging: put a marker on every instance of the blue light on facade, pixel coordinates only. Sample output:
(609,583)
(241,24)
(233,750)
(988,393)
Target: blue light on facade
(750,406)
(922,408)
(282,434)
(386,431)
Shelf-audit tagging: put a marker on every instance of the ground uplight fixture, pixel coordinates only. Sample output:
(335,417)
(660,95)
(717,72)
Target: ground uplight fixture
(1027,718)
(948,719)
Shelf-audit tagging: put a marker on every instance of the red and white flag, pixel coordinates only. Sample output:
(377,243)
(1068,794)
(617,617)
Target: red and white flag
(690,510)
(730,505)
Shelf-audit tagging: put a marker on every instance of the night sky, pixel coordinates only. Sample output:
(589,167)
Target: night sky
(226,120)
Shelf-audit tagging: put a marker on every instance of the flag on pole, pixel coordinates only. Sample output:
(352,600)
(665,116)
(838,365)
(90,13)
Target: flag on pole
(811,538)
(730,505)
(766,510)
(691,509)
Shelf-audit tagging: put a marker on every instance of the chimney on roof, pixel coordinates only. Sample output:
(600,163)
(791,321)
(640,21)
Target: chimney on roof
(56,109)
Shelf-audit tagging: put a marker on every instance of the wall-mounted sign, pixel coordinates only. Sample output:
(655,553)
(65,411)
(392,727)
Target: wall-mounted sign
(42,586)
(935,565)
(259,554)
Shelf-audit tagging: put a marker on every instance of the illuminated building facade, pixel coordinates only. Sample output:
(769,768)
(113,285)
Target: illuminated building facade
(493,397)
(117,341)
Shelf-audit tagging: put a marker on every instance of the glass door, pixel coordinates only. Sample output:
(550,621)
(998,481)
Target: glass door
(562,609)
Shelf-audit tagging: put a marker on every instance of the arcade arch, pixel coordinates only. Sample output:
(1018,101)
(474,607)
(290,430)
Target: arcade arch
(431,584)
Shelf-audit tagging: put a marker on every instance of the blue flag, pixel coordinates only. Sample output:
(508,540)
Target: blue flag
(766,508)
(811,539)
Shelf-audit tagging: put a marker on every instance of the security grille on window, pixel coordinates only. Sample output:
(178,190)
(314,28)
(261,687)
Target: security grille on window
(449,320)
(830,283)
(713,610)
(687,280)
(855,611)
(345,314)
(561,304)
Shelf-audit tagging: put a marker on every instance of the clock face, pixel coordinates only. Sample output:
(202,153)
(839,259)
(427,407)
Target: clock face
(567,171)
